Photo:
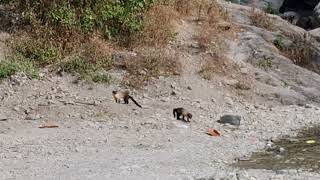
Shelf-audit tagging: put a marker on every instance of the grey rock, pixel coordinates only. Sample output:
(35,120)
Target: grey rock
(32,117)
(244,70)
(231,82)
(195,45)
(230,119)
(16,108)
(173,93)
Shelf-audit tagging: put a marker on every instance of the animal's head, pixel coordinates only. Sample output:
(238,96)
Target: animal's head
(114,92)
(189,115)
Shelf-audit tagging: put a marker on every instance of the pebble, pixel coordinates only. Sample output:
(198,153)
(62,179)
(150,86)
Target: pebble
(32,117)
(231,82)
(228,101)
(244,70)
(3,118)
(307,106)
(173,93)
(16,108)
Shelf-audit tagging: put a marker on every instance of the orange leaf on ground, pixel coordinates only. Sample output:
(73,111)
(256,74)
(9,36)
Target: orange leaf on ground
(213,132)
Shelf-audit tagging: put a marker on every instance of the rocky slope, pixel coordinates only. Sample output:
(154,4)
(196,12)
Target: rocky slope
(99,139)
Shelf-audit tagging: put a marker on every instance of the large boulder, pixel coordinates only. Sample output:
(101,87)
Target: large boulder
(305,8)
(308,10)
(316,12)
(282,80)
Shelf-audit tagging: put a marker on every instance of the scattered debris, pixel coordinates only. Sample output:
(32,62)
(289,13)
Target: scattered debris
(48,126)
(93,103)
(310,141)
(32,116)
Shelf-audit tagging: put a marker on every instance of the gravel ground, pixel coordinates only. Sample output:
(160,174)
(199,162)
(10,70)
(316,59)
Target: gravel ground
(99,139)
(118,141)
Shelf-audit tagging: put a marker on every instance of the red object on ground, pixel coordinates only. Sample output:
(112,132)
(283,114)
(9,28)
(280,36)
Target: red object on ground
(213,132)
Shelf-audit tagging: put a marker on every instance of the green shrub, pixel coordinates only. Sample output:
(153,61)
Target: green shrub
(265,63)
(7,69)
(88,20)
(278,42)
(113,17)
(63,14)
(101,78)
(269,9)
(88,70)
(40,52)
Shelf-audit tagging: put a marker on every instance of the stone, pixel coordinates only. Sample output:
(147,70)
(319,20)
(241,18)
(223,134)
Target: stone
(173,93)
(244,70)
(230,119)
(3,118)
(195,45)
(16,108)
(231,82)
(32,116)
(228,100)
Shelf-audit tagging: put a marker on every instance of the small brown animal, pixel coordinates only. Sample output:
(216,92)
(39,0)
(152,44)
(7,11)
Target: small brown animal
(118,95)
(177,112)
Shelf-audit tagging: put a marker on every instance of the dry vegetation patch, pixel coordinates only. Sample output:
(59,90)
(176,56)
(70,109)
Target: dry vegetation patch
(215,64)
(299,50)
(215,29)
(158,27)
(150,64)
(261,19)
(80,36)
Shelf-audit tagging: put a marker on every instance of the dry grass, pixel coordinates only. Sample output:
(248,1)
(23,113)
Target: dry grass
(215,28)
(148,65)
(216,64)
(158,27)
(299,51)
(260,19)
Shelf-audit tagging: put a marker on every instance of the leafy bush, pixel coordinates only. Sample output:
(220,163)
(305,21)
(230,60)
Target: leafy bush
(13,64)
(40,52)
(63,15)
(111,17)
(269,9)
(278,42)
(7,69)
(101,78)
(87,70)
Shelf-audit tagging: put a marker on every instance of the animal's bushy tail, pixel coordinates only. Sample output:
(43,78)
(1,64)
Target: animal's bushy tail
(135,101)
(174,112)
